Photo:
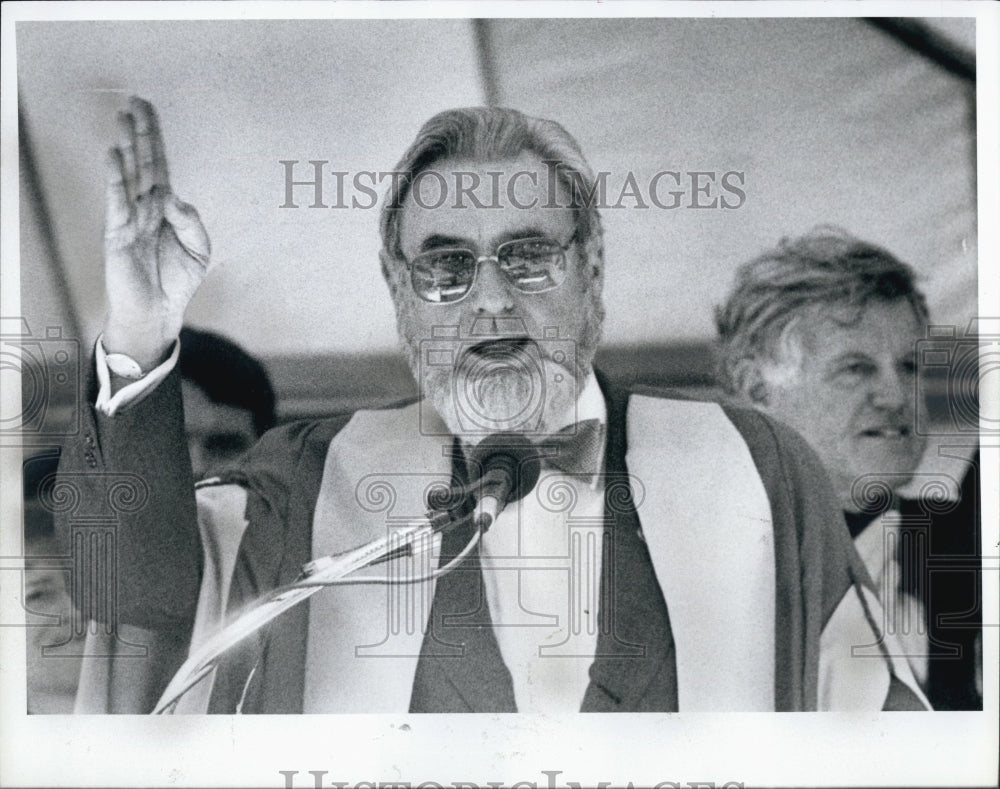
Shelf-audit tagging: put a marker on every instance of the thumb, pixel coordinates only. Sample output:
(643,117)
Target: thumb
(188,229)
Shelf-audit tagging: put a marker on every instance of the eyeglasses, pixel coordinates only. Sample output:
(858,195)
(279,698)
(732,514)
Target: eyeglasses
(531,265)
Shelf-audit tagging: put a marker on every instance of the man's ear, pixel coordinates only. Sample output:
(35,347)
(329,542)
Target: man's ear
(390,271)
(751,383)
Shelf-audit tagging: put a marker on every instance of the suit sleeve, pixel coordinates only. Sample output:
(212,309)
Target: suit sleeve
(132,488)
(128,482)
(126,515)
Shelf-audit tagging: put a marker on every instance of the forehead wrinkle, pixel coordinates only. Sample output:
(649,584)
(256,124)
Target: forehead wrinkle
(813,330)
(410,209)
(439,240)
(442,241)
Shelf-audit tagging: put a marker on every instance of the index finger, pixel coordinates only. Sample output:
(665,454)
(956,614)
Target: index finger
(151,160)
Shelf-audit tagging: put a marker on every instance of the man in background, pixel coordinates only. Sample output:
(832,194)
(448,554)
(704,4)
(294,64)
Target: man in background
(53,648)
(821,333)
(228,399)
(228,404)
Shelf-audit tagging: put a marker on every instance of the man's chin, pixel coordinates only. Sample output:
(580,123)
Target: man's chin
(877,490)
(475,406)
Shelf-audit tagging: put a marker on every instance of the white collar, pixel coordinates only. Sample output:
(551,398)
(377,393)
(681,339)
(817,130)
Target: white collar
(589,405)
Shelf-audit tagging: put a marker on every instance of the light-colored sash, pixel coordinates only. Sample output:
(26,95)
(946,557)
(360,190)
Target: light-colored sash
(707,521)
(364,641)
(222,524)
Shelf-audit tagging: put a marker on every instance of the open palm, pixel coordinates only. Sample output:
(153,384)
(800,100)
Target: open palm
(156,250)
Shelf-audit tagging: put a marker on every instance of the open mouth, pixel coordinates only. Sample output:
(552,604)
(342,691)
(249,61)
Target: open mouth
(498,346)
(886,432)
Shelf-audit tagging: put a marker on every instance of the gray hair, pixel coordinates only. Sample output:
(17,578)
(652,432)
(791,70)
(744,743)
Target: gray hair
(826,267)
(492,133)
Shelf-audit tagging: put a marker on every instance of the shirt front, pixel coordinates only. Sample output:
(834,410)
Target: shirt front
(541,564)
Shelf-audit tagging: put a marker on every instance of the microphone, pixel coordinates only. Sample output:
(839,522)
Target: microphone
(510,468)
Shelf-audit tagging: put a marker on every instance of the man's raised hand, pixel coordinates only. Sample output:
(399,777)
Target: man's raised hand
(156,250)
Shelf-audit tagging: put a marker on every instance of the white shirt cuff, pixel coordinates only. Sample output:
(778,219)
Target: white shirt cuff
(134,392)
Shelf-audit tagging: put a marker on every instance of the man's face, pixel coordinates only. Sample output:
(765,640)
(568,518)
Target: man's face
(216,433)
(854,397)
(498,359)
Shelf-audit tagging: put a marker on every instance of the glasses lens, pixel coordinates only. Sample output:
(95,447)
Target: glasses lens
(443,275)
(534,264)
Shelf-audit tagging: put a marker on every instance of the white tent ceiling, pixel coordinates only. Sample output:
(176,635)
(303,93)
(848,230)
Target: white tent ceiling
(829,120)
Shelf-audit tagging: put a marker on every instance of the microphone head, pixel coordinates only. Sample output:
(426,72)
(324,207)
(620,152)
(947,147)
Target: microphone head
(515,456)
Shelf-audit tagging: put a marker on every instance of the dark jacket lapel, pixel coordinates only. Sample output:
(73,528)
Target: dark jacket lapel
(634,668)
(460,667)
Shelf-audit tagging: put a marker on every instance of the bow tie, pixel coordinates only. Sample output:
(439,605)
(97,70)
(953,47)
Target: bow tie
(577,449)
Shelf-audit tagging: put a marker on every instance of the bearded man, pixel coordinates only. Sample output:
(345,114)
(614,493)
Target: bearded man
(672,555)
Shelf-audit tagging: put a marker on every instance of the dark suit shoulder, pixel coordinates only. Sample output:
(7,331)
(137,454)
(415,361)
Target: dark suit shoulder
(289,453)
(782,443)
(781,455)
(274,466)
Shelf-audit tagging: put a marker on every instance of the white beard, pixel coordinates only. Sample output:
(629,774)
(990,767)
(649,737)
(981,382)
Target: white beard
(501,395)
(520,392)
(477,397)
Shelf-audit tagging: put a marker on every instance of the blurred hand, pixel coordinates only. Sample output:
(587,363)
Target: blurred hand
(156,250)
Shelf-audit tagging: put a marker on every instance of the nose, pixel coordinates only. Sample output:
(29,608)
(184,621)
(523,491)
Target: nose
(893,390)
(491,292)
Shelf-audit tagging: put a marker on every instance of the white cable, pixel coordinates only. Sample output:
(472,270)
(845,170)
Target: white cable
(393,581)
